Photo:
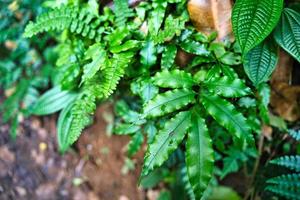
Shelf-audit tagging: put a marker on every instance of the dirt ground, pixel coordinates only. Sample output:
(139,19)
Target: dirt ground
(31,167)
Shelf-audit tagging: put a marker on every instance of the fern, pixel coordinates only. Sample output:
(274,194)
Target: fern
(168,102)
(122,12)
(173,79)
(291,162)
(295,134)
(288,181)
(114,70)
(199,155)
(168,56)
(166,141)
(66,17)
(227,87)
(285,192)
(225,114)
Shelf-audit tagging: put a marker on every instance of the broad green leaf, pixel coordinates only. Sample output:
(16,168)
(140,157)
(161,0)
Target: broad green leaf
(168,102)
(135,143)
(166,141)
(147,90)
(63,128)
(227,87)
(261,61)
(199,155)
(148,54)
(168,56)
(173,79)
(52,101)
(194,47)
(287,33)
(98,56)
(226,115)
(254,20)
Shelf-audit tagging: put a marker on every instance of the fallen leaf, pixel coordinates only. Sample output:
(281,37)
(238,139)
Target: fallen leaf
(284,96)
(212,15)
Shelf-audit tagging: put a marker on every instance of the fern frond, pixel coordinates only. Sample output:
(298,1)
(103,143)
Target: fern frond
(295,134)
(76,20)
(227,87)
(166,141)
(226,115)
(122,12)
(173,79)
(82,111)
(168,102)
(285,192)
(114,70)
(290,162)
(288,180)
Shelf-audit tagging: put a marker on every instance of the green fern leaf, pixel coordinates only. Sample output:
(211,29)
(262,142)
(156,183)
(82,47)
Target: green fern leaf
(194,47)
(284,192)
(126,129)
(166,141)
(254,20)
(199,155)
(168,56)
(226,115)
(114,71)
(98,55)
(295,134)
(290,162)
(261,61)
(82,111)
(289,181)
(66,17)
(122,12)
(287,33)
(168,102)
(227,87)
(173,79)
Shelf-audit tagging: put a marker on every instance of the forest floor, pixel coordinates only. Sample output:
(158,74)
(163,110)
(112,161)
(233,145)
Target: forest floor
(32,168)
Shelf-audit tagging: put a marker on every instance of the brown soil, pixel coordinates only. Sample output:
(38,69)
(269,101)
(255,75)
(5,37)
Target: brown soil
(31,168)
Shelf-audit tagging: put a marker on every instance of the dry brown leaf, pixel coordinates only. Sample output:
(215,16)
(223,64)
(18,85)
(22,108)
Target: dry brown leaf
(284,96)
(212,15)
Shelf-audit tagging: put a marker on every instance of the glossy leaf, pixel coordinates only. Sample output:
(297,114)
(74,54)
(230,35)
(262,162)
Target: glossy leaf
(168,102)
(227,87)
(254,20)
(52,101)
(148,54)
(168,56)
(194,47)
(261,61)
(166,141)
(199,155)
(287,33)
(135,143)
(173,79)
(226,115)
